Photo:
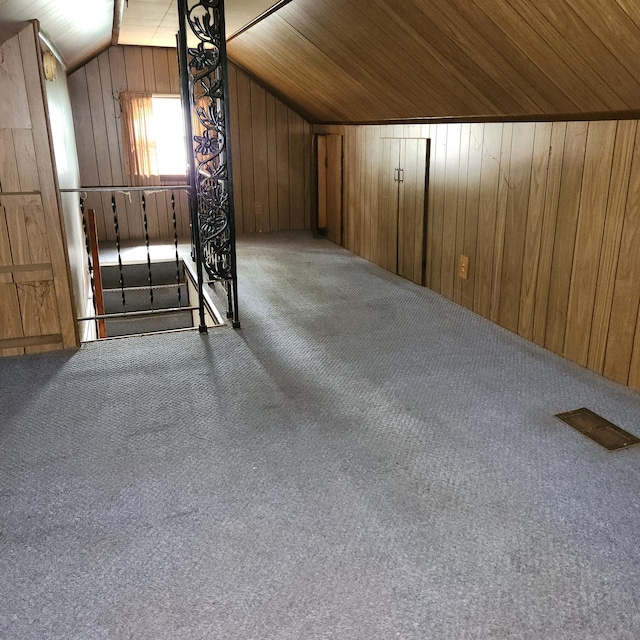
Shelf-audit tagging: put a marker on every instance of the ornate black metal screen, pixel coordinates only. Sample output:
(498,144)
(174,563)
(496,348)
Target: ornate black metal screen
(203,69)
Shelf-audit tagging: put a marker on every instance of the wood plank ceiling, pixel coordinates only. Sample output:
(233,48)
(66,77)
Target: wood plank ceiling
(385,60)
(389,60)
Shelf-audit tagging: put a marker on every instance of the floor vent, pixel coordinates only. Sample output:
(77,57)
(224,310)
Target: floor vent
(599,429)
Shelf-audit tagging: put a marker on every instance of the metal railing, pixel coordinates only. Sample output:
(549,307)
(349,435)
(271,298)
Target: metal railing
(99,315)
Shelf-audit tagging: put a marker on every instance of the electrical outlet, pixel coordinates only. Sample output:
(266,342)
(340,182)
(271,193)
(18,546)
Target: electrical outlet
(463,267)
(258,208)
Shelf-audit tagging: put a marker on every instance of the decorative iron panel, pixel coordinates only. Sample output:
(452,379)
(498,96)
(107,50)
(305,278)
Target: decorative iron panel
(211,175)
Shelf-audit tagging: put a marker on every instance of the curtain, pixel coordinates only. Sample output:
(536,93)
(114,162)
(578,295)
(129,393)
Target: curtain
(138,139)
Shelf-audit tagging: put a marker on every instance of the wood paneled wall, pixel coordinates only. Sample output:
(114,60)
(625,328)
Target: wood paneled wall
(271,146)
(272,156)
(37,311)
(95,90)
(549,215)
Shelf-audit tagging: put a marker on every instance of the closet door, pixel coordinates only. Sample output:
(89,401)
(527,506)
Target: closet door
(330,186)
(386,253)
(402,213)
(334,188)
(411,209)
(322,181)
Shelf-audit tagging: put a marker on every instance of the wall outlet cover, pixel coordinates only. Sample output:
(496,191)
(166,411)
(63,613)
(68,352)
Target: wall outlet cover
(463,267)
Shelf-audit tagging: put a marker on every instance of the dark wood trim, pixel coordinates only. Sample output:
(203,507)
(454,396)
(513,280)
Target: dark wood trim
(35,341)
(118,12)
(538,117)
(260,18)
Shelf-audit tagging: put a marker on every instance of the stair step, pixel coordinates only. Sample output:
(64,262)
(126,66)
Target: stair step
(137,275)
(138,298)
(149,324)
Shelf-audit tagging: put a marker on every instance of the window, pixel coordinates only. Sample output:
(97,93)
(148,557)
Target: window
(153,135)
(169,134)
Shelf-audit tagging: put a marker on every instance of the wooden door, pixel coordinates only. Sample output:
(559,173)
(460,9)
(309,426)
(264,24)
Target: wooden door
(37,311)
(322,181)
(401,217)
(330,186)
(334,188)
(411,209)
(386,252)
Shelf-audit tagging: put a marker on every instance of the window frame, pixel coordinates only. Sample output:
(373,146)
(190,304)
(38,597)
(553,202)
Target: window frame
(172,177)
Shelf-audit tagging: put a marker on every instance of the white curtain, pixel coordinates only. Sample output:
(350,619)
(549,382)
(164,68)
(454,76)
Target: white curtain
(138,138)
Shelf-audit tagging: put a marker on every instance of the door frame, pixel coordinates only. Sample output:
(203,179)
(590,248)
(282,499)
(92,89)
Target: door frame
(323,178)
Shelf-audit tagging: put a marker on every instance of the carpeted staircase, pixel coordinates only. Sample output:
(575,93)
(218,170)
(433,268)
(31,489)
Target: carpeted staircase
(167,281)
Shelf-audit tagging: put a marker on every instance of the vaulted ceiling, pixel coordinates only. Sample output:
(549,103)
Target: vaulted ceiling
(79,29)
(373,60)
(386,60)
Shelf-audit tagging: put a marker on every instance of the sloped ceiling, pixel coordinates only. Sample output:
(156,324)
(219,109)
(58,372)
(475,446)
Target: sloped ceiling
(378,60)
(77,28)
(386,60)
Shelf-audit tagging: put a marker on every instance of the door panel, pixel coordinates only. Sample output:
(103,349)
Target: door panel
(386,254)
(322,182)
(334,188)
(411,210)
(406,224)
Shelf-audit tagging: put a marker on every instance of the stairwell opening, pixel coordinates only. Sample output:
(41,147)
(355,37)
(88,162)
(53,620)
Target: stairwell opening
(149,297)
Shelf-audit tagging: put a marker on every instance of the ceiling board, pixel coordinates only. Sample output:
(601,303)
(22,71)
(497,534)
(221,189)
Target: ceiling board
(78,28)
(155,22)
(375,60)
(81,28)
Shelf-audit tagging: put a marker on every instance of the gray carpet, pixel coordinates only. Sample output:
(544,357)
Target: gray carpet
(363,460)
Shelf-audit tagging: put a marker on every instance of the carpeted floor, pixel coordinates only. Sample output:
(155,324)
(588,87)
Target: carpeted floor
(363,460)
